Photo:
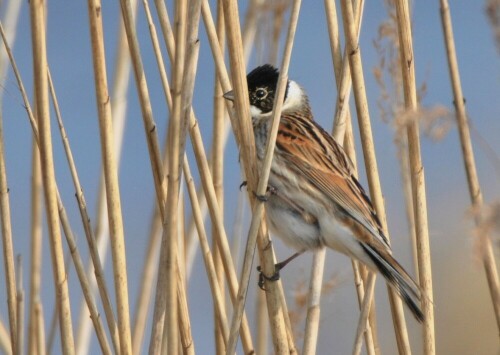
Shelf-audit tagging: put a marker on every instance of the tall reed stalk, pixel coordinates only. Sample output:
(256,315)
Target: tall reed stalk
(37,10)
(417,175)
(475,193)
(370,161)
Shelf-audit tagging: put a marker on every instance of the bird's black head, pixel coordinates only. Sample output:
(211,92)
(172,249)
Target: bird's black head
(262,83)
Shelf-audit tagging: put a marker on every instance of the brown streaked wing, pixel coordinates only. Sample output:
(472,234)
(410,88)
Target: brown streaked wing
(312,152)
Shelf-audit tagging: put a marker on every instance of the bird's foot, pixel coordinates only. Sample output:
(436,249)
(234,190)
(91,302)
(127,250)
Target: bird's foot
(271,190)
(263,278)
(277,268)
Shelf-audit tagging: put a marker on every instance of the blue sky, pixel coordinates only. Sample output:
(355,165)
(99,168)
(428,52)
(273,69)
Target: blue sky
(453,255)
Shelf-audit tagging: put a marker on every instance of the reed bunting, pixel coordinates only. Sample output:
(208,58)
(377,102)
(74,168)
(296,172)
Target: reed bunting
(314,200)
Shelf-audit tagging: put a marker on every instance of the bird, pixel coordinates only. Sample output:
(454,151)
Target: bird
(314,199)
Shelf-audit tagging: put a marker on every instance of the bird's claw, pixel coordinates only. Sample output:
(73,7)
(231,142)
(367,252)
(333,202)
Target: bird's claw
(263,278)
(277,269)
(271,190)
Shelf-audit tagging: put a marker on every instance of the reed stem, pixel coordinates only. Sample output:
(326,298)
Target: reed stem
(278,328)
(417,175)
(475,193)
(358,83)
(48,174)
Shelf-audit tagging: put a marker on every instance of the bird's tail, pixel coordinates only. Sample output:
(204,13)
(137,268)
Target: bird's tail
(398,278)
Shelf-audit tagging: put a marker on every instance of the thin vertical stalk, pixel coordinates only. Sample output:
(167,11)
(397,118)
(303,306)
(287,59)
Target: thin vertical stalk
(360,280)
(166,28)
(237,66)
(62,211)
(142,89)
(156,47)
(147,281)
(261,326)
(216,218)
(248,34)
(280,339)
(52,328)
(191,247)
(169,241)
(186,339)
(224,80)
(152,255)
(349,146)
(181,111)
(218,57)
(288,323)
(187,90)
(218,175)
(147,114)
(402,145)
(11,17)
(417,175)
(313,303)
(182,231)
(8,248)
(154,155)
(48,175)
(77,261)
(184,322)
(207,179)
(207,258)
(247,39)
(475,193)
(118,108)
(365,311)
(171,50)
(343,74)
(36,246)
(110,176)
(203,167)
(20,307)
(358,83)
(5,344)
(237,228)
(40,329)
(342,132)
(53,325)
(82,276)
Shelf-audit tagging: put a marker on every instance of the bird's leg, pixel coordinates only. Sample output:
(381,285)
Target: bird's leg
(277,268)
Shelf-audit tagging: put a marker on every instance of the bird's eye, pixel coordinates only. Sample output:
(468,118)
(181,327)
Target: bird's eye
(261,93)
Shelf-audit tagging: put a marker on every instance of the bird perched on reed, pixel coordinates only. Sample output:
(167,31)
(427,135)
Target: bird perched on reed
(314,199)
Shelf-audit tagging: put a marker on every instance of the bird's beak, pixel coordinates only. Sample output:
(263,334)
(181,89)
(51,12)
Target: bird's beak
(229,95)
